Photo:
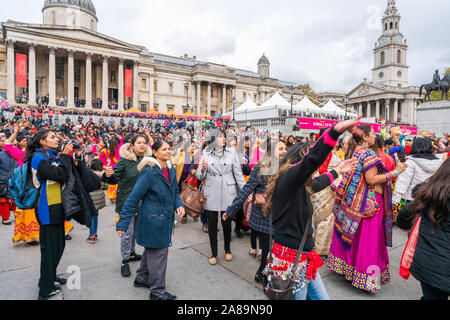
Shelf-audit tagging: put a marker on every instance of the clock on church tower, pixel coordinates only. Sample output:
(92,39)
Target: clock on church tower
(390,53)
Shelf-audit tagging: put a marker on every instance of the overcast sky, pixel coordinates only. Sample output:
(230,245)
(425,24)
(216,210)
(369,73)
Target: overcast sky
(326,43)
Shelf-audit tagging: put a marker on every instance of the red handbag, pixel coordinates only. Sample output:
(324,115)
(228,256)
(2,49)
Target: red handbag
(408,253)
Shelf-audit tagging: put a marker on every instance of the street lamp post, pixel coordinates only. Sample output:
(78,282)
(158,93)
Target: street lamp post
(291,90)
(186,85)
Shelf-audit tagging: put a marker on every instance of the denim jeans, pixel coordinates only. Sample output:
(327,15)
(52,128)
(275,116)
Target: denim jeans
(203,217)
(94,226)
(314,290)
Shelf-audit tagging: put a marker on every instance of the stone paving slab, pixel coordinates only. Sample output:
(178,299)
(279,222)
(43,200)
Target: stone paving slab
(189,274)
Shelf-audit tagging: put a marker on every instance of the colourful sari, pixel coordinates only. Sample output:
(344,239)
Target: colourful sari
(363,227)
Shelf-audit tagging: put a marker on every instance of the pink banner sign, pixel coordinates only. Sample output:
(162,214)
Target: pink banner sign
(317,124)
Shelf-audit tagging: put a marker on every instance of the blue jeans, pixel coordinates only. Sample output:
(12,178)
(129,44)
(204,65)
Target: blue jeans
(94,226)
(314,290)
(204,217)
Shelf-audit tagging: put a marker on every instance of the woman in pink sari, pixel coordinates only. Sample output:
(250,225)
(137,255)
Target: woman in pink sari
(363,217)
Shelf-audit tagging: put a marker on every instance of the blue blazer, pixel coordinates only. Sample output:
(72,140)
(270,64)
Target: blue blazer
(158,200)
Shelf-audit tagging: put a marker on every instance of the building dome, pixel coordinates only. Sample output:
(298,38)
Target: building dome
(263,60)
(84,5)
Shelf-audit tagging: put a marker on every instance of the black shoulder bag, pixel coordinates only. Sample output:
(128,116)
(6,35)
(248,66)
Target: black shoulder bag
(278,288)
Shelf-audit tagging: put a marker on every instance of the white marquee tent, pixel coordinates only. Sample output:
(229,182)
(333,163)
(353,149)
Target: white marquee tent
(331,108)
(270,109)
(241,112)
(306,105)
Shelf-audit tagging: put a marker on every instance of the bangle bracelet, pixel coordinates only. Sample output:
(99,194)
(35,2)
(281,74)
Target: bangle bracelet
(396,171)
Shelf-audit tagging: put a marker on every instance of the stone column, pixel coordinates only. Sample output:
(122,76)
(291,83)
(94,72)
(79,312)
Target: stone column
(98,81)
(11,86)
(135,85)
(105,83)
(395,110)
(199,97)
(52,77)
(32,74)
(369,109)
(88,80)
(209,99)
(377,110)
(224,99)
(121,89)
(387,107)
(152,91)
(360,108)
(71,80)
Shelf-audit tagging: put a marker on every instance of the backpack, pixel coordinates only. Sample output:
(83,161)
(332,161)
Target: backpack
(22,188)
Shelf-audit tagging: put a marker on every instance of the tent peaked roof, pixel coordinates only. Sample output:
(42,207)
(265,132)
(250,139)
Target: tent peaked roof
(331,107)
(133,110)
(276,100)
(306,105)
(248,104)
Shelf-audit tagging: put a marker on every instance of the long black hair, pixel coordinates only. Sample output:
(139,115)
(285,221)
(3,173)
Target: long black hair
(296,154)
(36,143)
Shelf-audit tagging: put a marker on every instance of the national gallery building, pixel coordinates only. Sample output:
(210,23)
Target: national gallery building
(65,57)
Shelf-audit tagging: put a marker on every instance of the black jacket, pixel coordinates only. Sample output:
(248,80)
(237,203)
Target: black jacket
(291,203)
(431,262)
(77,203)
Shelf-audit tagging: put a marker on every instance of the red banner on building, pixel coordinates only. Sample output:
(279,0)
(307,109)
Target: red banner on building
(128,83)
(21,70)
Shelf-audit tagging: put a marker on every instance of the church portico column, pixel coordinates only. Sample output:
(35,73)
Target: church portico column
(121,85)
(52,77)
(71,80)
(369,109)
(395,110)
(32,74)
(105,83)
(88,80)
(377,111)
(387,110)
(11,86)
(360,108)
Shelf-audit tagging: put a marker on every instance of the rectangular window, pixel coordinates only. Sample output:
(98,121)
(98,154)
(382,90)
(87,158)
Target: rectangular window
(144,83)
(170,107)
(113,77)
(171,87)
(155,86)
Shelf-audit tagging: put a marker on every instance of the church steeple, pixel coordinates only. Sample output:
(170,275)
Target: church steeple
(390,51)
(391,19)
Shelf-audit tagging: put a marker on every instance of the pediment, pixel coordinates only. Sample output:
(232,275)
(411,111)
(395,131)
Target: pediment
(78,34)
(365,89)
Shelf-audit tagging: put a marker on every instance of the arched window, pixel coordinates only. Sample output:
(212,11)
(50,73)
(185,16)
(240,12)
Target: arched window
(382,57)
(391,25)
(385,26)
(399,56)
(396,26)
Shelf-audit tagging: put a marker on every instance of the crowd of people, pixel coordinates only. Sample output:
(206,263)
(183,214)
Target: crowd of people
(342,190)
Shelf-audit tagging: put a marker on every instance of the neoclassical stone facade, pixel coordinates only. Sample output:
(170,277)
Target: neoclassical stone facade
(388,96)
(68,58)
